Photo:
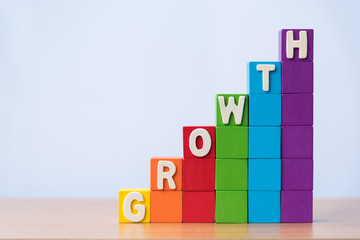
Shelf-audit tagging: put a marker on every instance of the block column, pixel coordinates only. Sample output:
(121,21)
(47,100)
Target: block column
(232,112)
(264,87)
(296,55)
(199,174)
(166,190)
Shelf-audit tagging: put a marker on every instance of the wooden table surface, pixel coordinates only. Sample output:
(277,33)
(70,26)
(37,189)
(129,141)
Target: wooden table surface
(97,219)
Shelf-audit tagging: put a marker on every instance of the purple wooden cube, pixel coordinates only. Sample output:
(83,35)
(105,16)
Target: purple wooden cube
(297,174)
(297,110)
(297,77)
(302,50)
(296,142)
(296,206)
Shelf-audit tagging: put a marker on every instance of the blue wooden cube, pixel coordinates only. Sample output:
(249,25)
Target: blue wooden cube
(264,206)
(265,110)
(264,142)
(258,74)
(264,174)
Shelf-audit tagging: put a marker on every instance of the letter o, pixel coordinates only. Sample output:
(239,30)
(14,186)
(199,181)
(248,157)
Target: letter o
(200,132)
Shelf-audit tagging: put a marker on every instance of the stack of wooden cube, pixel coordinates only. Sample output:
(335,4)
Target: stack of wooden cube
(264,87)
(296,55)
(255,165)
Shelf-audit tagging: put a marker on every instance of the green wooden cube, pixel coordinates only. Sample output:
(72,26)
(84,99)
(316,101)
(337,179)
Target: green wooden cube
(232,142)
(231,174)
(231,117)
(231,207)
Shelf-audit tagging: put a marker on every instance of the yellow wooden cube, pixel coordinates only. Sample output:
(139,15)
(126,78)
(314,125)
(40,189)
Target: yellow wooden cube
(134,205)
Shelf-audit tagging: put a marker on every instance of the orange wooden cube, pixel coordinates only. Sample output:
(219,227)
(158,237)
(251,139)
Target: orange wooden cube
(166,206)
(166,174)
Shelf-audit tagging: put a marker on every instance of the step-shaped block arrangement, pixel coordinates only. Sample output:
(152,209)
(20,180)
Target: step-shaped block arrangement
(296,56)
(255,165)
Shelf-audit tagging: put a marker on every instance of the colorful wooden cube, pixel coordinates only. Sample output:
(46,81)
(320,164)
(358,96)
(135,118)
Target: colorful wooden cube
(199,206)
(297,142)
(199,174)
(297,174)
(297,77)
(232,110)
(296,206)
(264,109)
(166,206)
(264,174)
(231,174)
(264,77)
(296,45)
(231,142)
(199,142)
(264,206)
(166,173)
(297,110)
(231,207)
(264,142)
(134,205)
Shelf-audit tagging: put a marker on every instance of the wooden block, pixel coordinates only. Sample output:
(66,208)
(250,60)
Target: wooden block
(264,142)
(264,77)
(297,174)
(296,206)
(297,77)
(297,142)
(297,45)
(166,174)
(264,206)
(231,142)
(297,110)
(166,206)
(264,109)
(199,174)
(231,174)
(229,112)
(199,207)
(194,139)
(231,207)
(134,205)
(265,174)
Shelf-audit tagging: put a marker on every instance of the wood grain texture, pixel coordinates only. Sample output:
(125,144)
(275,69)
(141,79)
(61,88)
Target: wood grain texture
(198,174)
(97,219)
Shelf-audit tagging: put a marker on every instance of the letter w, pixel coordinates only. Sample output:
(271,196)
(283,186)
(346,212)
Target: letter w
(231,108)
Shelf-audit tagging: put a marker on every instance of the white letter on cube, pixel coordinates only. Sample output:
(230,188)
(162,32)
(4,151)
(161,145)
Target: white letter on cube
(302,44)
(231,108)
(266,69)
(168,175)
(140,208)
(200,132)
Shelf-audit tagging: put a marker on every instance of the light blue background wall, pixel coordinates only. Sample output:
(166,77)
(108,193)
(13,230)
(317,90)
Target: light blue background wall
(89,91)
